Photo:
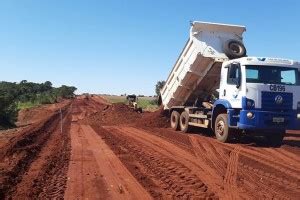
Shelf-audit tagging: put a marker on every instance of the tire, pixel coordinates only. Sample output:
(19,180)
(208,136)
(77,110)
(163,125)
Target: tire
(275,139)
(184,122)
(234,49)
(175,116)
(222,131)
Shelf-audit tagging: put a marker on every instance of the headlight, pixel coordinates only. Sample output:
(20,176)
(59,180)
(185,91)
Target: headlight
(250,115)
(248,103)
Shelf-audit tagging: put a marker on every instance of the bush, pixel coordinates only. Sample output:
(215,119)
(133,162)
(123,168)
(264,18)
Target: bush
(8,113)
(25,95)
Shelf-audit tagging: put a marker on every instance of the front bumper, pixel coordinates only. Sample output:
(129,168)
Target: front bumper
(265,120)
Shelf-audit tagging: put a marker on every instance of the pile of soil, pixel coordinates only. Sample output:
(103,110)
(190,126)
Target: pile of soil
(32,115)
(29,116)
(156,119)
(116,114)
(41,147)
(121,114)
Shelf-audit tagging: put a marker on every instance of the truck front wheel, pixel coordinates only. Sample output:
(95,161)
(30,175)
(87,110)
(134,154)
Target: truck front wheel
(221,128)
(184,122)
(175,116)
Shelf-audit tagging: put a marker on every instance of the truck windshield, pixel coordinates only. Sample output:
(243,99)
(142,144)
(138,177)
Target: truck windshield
(271,75)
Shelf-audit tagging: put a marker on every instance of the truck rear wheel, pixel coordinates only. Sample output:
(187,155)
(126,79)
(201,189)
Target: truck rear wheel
(175,116)
(222,130)
(184,122)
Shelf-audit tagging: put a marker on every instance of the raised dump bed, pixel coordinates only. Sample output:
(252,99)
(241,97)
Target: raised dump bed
(196,73)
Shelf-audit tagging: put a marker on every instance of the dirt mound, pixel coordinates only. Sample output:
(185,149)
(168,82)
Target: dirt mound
(32,115)
(115,114)
(155,119)
(35,147)
(121,114)
(28,116)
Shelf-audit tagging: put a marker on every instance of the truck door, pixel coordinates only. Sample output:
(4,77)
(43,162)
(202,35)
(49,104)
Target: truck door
(231,90)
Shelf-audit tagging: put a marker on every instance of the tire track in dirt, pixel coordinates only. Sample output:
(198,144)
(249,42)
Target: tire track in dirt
(231,174)
(175,177)
(258,169)
(289,154)
(258,183)
(206,162)
(222,168)
(176,138)
(219,159)
(45,177)
(265,159)
(263,179)
(283,156)
(95,172)
(26,160)
(267,188)
(247,171)
(170,155)
(271,188)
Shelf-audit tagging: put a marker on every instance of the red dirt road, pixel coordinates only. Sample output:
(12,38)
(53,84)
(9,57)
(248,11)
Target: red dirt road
(95,172)
(211,169)
(110,152)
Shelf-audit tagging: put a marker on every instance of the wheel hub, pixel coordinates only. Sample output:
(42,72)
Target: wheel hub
(173,119)
(220,128)
(183,121)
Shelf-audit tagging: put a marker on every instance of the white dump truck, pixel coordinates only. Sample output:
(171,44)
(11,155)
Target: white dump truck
(215,85)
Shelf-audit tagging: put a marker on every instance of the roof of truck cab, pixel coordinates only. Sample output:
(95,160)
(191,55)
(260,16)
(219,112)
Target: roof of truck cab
(267,61)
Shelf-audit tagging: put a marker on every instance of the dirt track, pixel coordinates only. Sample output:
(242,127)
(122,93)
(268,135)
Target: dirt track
(109,152)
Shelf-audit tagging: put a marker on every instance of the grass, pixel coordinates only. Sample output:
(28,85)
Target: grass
(29,104)
(146,103)
(115,99)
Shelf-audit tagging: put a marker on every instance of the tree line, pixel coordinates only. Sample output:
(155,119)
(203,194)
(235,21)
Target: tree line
(12,95)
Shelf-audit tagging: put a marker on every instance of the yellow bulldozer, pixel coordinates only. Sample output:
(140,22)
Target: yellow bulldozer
(132,101)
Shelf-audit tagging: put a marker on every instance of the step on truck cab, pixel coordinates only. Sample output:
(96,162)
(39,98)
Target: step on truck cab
(215,85)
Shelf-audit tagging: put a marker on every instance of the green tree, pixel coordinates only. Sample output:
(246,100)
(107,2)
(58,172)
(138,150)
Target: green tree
(159,85)
(66,91)
(13,95)
(8,110)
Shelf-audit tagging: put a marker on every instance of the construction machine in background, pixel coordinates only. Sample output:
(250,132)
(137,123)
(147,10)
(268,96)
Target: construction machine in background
(132,101)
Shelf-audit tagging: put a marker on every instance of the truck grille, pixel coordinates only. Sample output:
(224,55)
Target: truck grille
(269,101)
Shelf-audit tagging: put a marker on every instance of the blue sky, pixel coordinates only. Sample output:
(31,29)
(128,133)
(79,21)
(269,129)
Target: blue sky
(121,47)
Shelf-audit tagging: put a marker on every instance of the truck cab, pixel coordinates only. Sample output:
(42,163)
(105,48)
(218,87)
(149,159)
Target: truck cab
(261,94)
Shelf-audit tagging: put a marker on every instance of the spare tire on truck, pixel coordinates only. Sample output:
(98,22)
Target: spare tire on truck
(234,49)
